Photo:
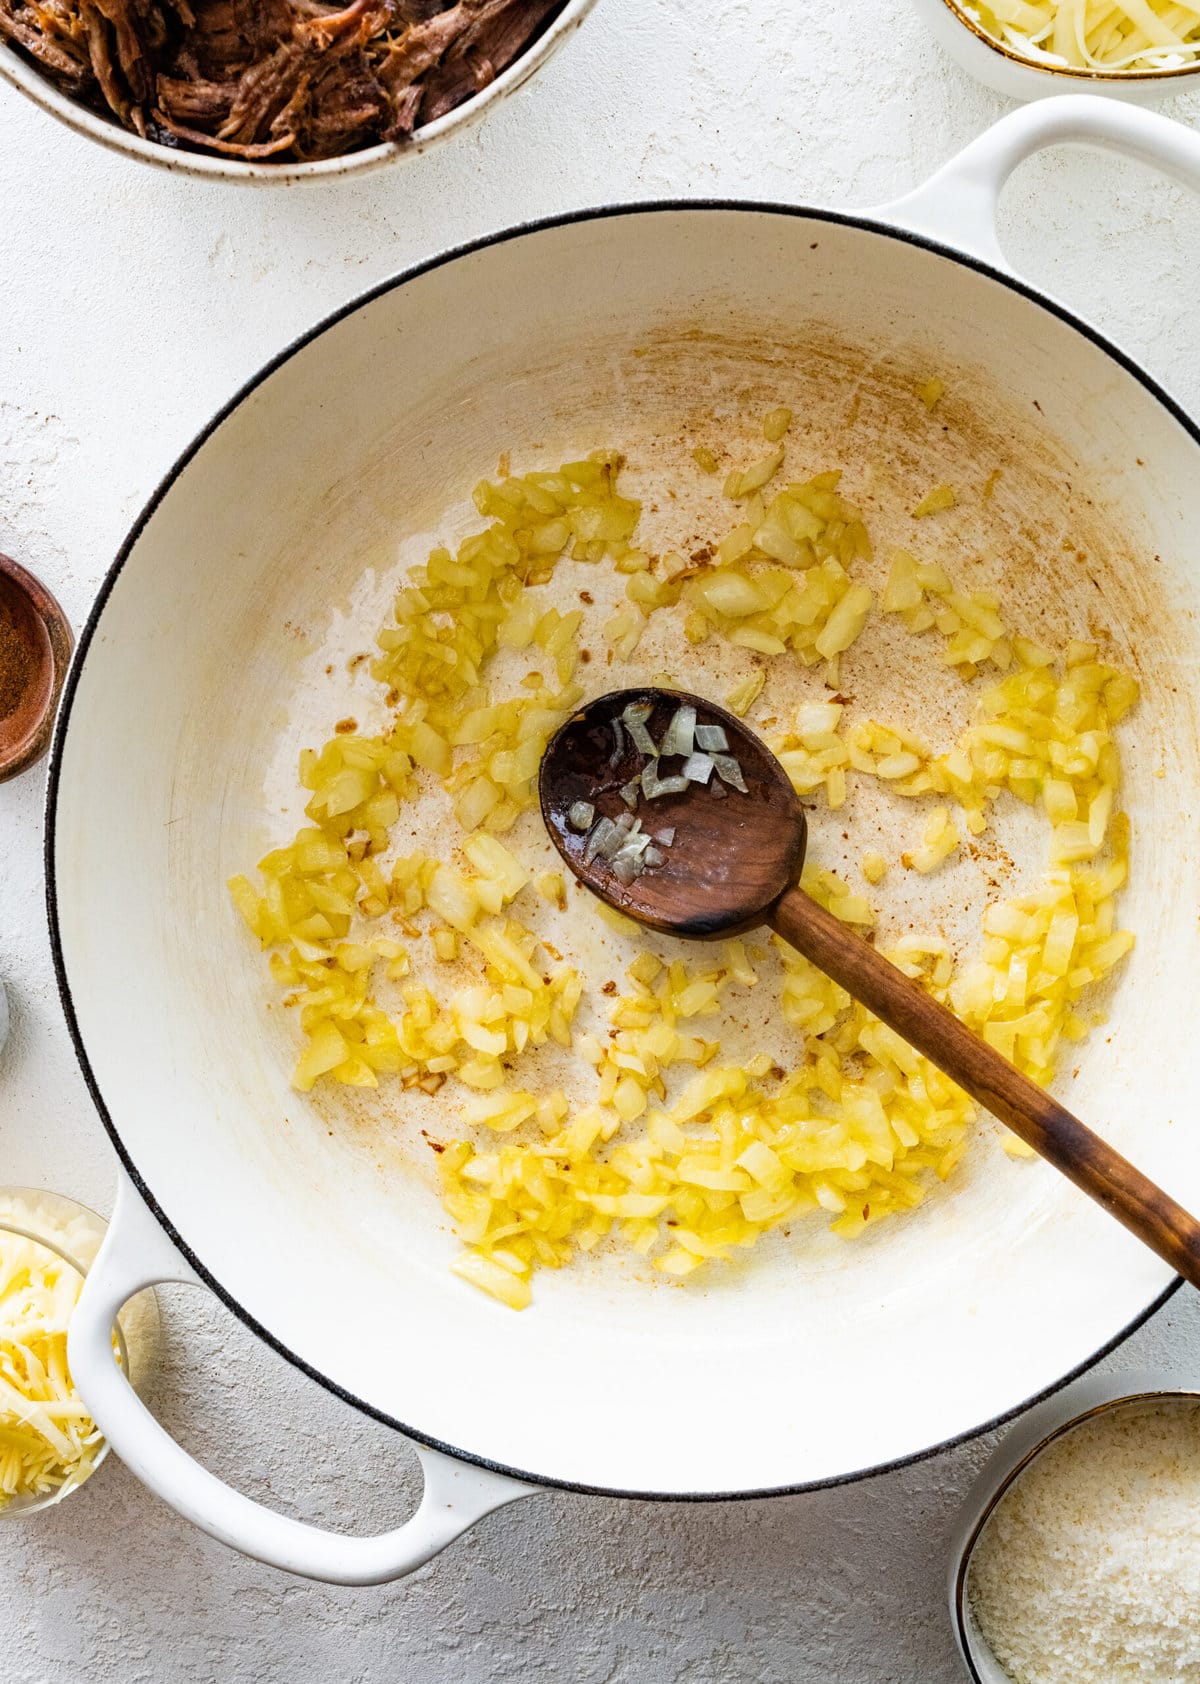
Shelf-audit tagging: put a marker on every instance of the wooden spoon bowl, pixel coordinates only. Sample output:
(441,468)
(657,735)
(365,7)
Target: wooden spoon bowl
(732,856)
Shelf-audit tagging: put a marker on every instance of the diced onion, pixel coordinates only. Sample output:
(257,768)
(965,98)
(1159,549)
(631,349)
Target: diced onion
(933,502)
(730,772)
(581,815)
(635,717)
(676,1154)
(680,733)
(604,841)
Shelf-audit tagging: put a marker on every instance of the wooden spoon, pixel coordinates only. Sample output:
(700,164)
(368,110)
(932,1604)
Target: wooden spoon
(733,863)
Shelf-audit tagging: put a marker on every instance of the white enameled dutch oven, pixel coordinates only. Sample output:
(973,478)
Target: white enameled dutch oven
(816,1361)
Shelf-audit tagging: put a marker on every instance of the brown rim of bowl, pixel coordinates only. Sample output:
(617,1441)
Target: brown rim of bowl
(1077,72)
(49,615)
(962,1577)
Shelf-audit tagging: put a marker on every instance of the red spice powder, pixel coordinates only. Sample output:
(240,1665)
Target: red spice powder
(18,660)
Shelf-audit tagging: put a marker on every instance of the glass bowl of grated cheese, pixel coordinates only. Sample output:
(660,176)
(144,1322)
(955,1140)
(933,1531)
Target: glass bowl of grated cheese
(49,1446)
(1078,1559)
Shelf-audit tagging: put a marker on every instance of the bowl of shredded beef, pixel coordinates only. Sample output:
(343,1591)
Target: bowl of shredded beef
(274,88)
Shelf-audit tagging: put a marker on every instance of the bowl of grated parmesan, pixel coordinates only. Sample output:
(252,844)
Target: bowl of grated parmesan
(1079,1557)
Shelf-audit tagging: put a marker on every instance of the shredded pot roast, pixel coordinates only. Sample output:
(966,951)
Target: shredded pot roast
(275,79)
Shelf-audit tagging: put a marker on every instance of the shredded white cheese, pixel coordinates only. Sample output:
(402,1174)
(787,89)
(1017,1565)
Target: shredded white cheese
(1088,1572)
(48,1442)
(1108,36)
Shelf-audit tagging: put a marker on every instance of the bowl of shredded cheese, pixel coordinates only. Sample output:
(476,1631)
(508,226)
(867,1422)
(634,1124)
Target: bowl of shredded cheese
(49,1445)
(1079,1559)
(1139,50)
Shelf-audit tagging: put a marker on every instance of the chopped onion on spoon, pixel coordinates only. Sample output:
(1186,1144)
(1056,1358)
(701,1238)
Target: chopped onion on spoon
(674,785)
(703,750)
(581,815)
(635,717)
(728,770)
(679,737)
(604,840)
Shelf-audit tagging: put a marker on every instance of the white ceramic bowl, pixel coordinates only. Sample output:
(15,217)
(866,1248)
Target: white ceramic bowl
(998,67)
(22,73)
(1058,1415)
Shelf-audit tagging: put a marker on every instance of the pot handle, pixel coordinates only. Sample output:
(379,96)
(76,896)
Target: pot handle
(137,1253)
(958,204)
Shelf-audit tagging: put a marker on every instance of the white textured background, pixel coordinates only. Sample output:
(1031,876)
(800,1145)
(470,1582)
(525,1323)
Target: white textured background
(132,304)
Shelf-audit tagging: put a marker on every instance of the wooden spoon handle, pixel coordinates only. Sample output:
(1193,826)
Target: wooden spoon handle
(1027,1109)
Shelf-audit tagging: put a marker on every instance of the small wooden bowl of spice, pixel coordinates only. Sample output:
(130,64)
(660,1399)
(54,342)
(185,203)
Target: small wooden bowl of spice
(35,649)
(1079,1558)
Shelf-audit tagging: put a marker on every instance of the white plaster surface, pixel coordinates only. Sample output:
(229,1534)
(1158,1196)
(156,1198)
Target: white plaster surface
(133,303)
